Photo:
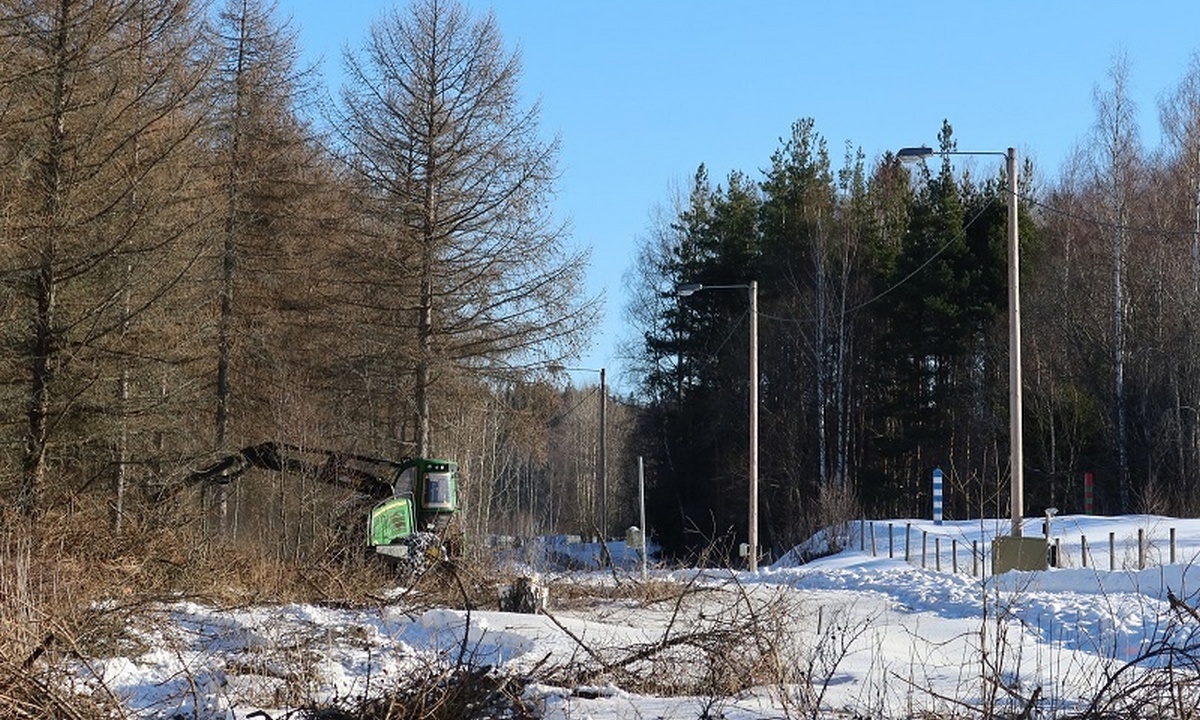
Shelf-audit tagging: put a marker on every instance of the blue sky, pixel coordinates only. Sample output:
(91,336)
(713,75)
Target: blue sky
(641,92)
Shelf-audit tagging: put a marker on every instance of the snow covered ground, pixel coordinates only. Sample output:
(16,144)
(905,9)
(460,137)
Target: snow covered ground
(853,633)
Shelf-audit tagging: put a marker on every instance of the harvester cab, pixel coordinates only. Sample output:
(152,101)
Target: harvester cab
(415,518)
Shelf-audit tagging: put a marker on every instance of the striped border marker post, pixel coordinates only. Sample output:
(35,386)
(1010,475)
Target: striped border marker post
(1089,497)
(937,496)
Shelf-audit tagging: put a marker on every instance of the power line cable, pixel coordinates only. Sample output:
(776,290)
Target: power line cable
(960,235)
(1105,223)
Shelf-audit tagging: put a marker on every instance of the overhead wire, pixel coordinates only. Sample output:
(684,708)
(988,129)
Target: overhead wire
(1031,201)
(712,356)
(959,235)
(563,414)
(1106,224)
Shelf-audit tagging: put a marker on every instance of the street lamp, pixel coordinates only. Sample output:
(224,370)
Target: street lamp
(752,286)
(1015,435)
(603,443)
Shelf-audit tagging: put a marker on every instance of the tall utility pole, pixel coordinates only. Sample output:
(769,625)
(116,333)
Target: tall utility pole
(603,457)
(753,532)
(1015,434)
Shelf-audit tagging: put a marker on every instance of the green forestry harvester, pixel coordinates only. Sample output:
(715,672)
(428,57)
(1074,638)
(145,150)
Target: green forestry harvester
(415,498)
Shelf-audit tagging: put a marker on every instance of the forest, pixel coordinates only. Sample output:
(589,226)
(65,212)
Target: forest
(883,333)
(202,251)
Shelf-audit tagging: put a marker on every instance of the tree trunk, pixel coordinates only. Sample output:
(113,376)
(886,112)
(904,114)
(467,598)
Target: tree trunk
(45,283)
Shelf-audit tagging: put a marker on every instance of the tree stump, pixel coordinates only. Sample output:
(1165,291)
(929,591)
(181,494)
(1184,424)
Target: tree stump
(525,595)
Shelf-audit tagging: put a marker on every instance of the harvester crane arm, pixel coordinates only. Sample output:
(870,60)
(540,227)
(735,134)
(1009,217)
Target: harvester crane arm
(414,499)
(341,469)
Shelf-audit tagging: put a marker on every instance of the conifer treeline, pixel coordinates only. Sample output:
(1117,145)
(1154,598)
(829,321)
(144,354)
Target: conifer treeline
(883,333)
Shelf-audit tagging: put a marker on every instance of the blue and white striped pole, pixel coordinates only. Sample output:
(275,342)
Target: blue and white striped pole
(937,496)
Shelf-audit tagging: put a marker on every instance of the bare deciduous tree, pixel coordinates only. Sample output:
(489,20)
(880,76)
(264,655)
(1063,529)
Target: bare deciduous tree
(99,127)
(1116,157)
(266,169)
(460,265)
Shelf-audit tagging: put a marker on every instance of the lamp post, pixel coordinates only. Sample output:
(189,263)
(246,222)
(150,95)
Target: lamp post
(1015,434)
(752,286)
(603,443)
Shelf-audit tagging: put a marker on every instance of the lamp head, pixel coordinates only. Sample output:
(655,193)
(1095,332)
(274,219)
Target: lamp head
(913,154)
(688,289)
